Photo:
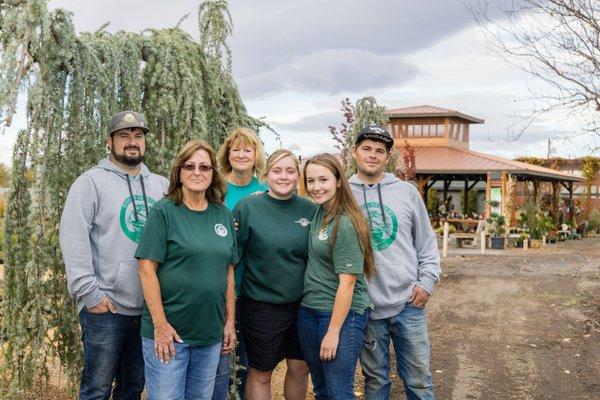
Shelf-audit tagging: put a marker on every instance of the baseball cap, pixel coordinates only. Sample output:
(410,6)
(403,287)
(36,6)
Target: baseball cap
(375,132)
(127,119)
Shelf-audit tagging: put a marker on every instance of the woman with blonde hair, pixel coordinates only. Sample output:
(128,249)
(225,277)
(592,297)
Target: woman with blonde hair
(186,254)
(241,159)
(335,305)
(273,242)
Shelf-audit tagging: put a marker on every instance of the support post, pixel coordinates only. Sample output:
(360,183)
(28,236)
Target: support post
(466,199)
(446,187)
(445,239)
(571,205)
(488,190)
(543,241)
(423,187)
(482,240)
(526,244)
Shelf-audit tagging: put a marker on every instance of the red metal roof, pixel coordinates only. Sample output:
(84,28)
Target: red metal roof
(430,111)
(449,160)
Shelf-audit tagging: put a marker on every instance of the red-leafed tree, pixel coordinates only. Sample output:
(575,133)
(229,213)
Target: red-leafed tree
(407,172)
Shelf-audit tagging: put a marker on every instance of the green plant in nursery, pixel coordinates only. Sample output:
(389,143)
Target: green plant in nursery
(496,224)
(593,221)
(451,229)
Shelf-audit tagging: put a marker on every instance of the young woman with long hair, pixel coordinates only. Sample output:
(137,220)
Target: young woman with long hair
(335,305)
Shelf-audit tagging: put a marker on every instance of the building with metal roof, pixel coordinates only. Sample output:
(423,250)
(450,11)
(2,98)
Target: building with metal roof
(440,138)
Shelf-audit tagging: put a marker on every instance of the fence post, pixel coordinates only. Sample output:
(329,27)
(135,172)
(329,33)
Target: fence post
(525,244)
(445,241)
(483,241)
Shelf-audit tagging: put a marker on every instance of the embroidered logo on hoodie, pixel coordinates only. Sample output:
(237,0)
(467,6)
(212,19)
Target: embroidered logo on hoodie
(132,227)
(384,227)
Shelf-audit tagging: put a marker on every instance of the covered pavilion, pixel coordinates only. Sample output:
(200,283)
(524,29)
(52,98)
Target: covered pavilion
(440,138)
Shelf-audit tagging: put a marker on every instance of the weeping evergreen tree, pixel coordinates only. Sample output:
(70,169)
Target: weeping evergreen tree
(73,83)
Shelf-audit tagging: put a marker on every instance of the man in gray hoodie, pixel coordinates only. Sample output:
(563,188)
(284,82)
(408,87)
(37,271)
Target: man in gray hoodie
(100,227)
(407,266)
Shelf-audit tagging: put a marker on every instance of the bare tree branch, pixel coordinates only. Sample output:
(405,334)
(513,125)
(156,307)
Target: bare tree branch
(557,42)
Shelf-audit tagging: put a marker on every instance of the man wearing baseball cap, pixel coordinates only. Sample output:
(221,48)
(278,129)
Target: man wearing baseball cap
(407,266)
(100,227)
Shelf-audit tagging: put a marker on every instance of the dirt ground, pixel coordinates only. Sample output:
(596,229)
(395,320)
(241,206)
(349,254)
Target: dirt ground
(520,325)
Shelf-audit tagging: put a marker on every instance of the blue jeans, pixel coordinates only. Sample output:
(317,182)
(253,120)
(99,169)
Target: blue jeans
(331,379)
(190,375)
(112,351)
(223,381)
(408,333)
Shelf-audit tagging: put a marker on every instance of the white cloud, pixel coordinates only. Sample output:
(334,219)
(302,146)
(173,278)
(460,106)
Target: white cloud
(330,72)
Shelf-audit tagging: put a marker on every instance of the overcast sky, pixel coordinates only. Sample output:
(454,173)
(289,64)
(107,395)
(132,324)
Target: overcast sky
(294,61)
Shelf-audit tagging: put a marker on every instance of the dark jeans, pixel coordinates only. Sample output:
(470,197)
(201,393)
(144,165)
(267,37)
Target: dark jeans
(112,351)
(333,379)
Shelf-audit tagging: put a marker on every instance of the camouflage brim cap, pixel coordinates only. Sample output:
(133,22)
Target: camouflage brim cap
(127,119)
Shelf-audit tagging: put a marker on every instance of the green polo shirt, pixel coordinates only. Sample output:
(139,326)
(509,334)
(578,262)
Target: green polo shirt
(273,242)
(321,280)
(193,250)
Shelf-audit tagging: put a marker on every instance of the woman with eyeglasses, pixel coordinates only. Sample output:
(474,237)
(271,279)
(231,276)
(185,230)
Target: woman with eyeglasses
(273,242)
(186,254)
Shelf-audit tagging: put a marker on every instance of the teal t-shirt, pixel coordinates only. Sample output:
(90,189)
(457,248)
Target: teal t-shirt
(273,241)
(234,194)
(193,250)
(321,280)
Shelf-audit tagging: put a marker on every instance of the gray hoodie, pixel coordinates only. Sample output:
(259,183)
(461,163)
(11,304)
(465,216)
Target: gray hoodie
(99,233)
(404,244)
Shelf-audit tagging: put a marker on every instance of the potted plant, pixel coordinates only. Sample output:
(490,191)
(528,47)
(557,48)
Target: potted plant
(538,224)
(523,236)
(497,229)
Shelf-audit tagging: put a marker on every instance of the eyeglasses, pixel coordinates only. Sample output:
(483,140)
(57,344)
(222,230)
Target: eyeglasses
(204,168)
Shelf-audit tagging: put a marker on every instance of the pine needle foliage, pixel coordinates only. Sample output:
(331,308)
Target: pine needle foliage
(73,83)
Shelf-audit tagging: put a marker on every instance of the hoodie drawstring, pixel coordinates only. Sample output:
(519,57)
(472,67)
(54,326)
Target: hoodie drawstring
(362,185)
(144,194)
(135,213)
(381,205)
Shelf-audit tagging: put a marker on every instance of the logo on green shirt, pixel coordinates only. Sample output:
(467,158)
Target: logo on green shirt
(303,222)
(382,235)
(323,234)
(130,227)
(220,230)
